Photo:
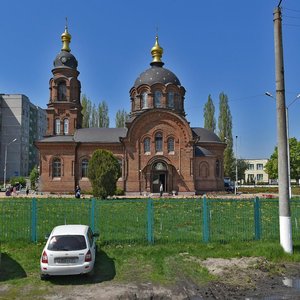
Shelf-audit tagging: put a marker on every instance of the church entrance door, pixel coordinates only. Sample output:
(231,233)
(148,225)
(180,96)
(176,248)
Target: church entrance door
(159,176)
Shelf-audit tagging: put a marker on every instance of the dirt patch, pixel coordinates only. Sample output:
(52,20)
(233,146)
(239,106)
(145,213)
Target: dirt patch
(236,278)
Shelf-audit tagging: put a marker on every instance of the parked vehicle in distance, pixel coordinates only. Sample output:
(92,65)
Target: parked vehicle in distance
(70,250)
(229,186)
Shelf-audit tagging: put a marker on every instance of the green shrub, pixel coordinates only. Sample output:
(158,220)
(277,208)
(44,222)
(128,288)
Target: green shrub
(18,180)
(119,192)
(34,175)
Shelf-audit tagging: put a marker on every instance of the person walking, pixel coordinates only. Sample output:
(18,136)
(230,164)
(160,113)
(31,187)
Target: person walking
(77,191)
(161,189)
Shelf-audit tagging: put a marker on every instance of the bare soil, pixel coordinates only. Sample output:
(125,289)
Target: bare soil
(237,278)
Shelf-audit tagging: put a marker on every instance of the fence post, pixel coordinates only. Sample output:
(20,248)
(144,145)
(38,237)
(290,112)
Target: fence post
(33,221)
(257,219)
(92,215)
(205,228)
(150,237)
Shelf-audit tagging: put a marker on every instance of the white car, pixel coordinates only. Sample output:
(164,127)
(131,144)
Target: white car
(70,250)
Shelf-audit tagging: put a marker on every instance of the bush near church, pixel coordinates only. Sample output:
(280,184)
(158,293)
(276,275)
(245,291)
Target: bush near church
(103,172)
(19,181)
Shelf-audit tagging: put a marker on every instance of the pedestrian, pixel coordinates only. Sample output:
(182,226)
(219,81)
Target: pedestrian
(161,189)
(27,191)
(77,191)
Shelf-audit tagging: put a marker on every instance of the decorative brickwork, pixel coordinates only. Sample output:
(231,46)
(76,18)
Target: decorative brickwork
(158,147)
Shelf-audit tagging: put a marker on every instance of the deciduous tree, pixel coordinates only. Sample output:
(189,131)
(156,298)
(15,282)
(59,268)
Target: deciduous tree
(209,115)
(242,166)
(94,117)
(103,118)
(271,167)
(103,172)
(121,118)
(86,111)
(225,135)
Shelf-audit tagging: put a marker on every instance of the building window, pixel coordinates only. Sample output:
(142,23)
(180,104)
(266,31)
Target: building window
(57,126)
(171,99)
(158,142)
(56,167)
(177,101)
(144,100)
(250,166)
(259,167)
(157,98)
(62,92)
(259,177)
(66,126)
(147,145)
(217,168)
(250,178)
(84,168)
(170,145)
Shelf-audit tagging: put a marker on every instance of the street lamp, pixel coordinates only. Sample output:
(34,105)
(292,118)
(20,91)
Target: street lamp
(5,161)
(287,134)
(236,166)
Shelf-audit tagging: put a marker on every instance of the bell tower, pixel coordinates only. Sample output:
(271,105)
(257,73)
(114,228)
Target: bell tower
(64,107)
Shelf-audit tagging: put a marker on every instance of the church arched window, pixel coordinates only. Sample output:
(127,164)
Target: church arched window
(158,142)
(62,91)
(144,100)
(66,126)
(170,145)
(57,126)
(157,98)
(147,145)
(171,99)
(84,168)
(177,103)
(56,167)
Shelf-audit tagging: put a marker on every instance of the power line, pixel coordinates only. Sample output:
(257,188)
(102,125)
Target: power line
(290,9)
(291,25)
(290,17)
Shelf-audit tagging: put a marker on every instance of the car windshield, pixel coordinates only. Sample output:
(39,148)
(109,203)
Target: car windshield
(67,243)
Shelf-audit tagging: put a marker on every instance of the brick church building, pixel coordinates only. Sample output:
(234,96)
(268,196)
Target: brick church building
(158,146)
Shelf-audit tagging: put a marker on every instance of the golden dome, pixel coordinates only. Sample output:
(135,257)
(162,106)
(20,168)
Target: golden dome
(156,51)
(66,39)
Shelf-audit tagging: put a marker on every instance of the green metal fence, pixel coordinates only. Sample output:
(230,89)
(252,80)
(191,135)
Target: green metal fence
(148,220)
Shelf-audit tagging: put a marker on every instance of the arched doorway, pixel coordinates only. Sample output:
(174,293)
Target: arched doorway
(159,175)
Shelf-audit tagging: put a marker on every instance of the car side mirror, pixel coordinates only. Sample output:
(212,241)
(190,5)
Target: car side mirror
(96,234)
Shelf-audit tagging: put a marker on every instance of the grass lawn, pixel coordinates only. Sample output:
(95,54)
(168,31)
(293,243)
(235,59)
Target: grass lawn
(129,263)
(134,221)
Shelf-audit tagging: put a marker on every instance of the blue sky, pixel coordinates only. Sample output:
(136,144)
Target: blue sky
(212,46)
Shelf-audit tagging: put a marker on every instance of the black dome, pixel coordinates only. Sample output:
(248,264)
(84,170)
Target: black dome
(156,74)
(65,59)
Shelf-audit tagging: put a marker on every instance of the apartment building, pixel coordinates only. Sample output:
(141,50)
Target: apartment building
(21,123)
(256,171)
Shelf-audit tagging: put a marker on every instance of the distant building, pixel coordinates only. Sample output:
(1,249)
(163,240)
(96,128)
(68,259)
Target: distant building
(256,171)
(157,147)
(25,122)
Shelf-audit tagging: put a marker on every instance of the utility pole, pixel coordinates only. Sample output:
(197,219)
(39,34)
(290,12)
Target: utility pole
(285,224)
(236,167)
